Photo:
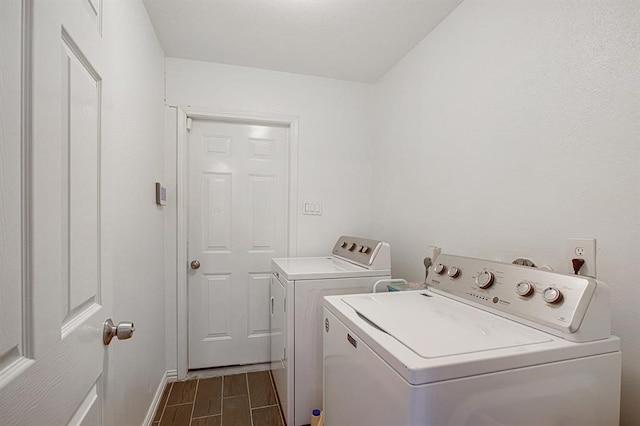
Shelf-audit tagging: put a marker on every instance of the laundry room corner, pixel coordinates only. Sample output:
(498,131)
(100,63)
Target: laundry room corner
(510,128)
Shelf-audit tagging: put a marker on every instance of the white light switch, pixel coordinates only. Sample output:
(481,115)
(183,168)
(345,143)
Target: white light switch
(312,208)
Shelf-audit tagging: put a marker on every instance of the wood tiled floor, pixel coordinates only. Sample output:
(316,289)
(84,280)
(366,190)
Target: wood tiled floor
(246,399)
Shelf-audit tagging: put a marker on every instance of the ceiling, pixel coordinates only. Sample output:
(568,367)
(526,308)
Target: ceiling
(357,40)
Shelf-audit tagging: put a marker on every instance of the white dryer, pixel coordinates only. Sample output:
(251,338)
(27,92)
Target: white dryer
(487,343)
(298,286)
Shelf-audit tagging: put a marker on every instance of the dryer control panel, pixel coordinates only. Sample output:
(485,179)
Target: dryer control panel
(572,307)
(371,254)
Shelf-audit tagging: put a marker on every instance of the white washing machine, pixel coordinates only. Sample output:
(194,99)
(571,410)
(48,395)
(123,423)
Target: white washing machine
(298,286)
(487,343)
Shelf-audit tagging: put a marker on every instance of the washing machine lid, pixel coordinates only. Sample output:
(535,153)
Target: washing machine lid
(435,326)
(311,268)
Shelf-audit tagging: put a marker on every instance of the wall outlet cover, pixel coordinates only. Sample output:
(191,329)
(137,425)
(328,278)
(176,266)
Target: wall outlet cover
(585,249)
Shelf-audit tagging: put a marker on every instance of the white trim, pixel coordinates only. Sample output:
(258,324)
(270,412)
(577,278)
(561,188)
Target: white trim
(172,376)
(157,397)
(14,370)
(79,318)
(185,113)
(182,223)
(26,184)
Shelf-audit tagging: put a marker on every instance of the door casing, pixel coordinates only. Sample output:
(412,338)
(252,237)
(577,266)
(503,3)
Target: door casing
(182,172)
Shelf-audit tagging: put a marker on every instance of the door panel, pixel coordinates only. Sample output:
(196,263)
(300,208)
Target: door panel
(66,301)
(80,121)
(217,216)
(262,211)
(216,308)
(52,389)
(258,310)
(90,410)
(238,186)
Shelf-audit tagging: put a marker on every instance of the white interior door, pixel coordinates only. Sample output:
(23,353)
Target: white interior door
(51,351)
(238,186)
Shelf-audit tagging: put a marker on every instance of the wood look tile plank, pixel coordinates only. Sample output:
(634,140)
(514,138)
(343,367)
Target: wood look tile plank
(208,398)
(177,415)
(267,416)
(182,392)
(261,390)
(207,421)
(162,403)
(235,385)
(236,411)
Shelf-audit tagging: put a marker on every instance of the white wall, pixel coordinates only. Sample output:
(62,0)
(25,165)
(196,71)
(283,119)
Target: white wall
(334,158)
(132,163)
(334,137)
(512,126)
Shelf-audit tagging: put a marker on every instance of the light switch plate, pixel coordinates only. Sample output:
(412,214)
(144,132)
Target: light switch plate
(161,194)
(313,208)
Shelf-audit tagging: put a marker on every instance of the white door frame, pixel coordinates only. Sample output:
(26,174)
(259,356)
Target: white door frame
(182,172)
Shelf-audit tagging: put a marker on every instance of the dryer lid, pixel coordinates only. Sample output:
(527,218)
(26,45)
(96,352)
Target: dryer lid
(434,326)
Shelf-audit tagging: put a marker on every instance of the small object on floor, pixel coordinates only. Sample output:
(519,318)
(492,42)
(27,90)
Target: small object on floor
(315,417)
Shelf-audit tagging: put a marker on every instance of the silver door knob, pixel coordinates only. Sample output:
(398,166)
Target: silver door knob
(122,331)
(195,264)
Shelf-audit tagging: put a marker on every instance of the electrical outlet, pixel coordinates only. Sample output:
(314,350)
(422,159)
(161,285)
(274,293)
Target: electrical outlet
(585,249)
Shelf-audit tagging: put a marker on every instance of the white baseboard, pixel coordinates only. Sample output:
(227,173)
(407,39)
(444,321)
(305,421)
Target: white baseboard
(172,376)
(168,377)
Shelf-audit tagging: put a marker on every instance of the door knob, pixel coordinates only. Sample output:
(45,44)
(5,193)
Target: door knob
(195,264)
(122,331)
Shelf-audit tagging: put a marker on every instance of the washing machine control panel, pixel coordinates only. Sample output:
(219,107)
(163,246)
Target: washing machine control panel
(540,297)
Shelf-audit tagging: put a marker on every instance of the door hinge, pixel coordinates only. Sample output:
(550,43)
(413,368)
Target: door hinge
(284,354)
(189,121)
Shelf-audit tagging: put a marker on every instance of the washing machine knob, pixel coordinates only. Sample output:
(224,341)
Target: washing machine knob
(485,279)
(439,269)
(352,247)
(552,295)
(454,272)
(524,288)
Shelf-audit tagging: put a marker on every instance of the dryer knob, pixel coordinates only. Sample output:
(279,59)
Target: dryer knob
(552,295)
(485,279)
(352,247)
(439,269)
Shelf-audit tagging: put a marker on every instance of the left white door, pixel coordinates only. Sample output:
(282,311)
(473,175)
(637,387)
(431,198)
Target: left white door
(52,359)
